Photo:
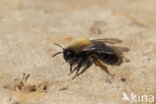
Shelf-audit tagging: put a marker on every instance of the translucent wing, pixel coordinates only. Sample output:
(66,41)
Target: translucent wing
(108,40)
(120,51)
(104,52)
(98,47)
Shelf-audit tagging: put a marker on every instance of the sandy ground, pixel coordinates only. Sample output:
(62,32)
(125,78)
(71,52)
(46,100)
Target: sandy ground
(29,29)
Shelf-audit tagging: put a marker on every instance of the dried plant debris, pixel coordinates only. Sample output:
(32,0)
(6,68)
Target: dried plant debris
(123,79)
(63,89)
(22,85)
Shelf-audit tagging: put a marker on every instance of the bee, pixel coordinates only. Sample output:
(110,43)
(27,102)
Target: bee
(83,53)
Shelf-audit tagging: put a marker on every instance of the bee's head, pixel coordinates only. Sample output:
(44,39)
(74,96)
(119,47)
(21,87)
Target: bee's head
(68,54)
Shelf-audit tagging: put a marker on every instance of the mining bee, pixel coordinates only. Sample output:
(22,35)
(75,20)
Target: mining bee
(85,52)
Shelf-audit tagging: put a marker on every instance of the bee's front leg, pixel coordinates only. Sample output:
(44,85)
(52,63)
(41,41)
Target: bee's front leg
(77,68)
(71,66)
(71,71)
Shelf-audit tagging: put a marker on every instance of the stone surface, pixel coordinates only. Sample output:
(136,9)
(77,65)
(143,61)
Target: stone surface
(29,29)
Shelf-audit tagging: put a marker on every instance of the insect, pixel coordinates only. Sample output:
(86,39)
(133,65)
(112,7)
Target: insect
(83,53)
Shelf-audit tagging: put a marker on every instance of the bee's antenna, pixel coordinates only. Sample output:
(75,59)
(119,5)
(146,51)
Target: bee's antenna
(59,46)
(57,53)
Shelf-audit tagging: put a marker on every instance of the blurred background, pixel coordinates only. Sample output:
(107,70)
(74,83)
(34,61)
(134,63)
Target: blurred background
(29,29)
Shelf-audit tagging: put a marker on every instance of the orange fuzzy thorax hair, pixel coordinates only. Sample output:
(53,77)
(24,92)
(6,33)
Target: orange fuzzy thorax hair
(80,43)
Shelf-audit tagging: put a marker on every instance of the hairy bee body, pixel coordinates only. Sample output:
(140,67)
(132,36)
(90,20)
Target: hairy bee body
(106,54)
(84,52)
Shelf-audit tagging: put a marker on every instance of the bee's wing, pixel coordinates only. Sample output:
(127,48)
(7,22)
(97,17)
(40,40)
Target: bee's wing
(120,51)
(101,48)
(98,47)
(108,40)
(105,53)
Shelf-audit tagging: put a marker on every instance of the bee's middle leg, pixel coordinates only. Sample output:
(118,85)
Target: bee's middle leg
(87,64)
(85,68)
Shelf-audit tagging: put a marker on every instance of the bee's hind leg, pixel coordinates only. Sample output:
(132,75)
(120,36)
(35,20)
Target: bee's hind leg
(103,67)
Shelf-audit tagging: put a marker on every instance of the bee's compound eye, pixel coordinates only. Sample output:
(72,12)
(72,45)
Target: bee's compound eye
(68,54)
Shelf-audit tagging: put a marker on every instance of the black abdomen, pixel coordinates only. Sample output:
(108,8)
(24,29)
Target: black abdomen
(112,59)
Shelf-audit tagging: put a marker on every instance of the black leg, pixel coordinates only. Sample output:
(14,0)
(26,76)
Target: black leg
(87,65)
(103,67)
(71,65)
(85,68)
(78,68)
(74,69)
(71,68)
